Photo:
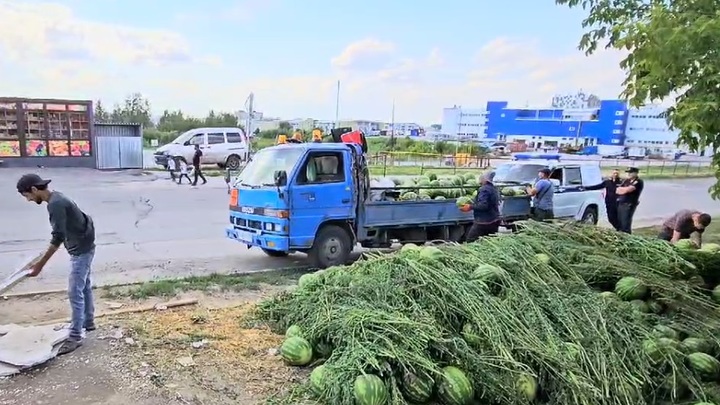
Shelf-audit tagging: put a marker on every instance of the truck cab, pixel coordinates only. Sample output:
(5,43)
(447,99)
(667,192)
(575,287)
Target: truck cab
(571,200)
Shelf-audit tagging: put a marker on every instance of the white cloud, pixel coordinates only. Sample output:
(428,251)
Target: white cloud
(53,53)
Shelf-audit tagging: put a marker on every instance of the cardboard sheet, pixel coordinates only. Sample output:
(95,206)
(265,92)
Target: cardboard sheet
(18,276)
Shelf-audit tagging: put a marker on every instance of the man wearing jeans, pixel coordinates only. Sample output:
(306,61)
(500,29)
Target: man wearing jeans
(74,229)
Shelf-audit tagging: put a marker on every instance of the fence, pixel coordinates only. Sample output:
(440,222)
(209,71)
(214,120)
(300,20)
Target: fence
(405,163)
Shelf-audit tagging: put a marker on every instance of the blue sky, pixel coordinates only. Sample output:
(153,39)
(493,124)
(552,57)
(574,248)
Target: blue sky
(201,55)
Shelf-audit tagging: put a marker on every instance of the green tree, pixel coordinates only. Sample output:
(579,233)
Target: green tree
(284,126)
(673,52)
(135,109)
(100,114)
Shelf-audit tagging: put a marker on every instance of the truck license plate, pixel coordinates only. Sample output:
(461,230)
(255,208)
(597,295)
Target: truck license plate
(245,236)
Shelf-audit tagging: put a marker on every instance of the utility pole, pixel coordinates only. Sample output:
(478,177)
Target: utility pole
(392,127)
(337,106)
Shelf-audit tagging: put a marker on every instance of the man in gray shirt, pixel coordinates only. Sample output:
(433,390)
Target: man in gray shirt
(74,229)
(542,193)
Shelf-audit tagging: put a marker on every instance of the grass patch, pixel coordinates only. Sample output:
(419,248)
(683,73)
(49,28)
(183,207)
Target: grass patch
(711,234)
(220,282)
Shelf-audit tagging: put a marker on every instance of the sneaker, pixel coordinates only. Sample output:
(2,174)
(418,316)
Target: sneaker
(90,328)
(69,346)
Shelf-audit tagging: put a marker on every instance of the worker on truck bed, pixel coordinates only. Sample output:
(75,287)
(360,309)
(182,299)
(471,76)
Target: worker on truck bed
(542,193)
(685,224)
(609,187)
(486,209)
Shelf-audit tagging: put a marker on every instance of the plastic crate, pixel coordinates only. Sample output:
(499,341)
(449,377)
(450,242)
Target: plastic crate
(515,207)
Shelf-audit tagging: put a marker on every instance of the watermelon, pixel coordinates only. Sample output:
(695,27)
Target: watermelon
(640,306)
(317,379)
(293,330)
(296,351)
(696,345)
(306,279)
(542,258)
(491,275)
(527,387)
(410,247)
(440,197)
(463,201)
(432,177)
(631,288)
(507,192)
(431,253)
(424,182)
(716,294)
(470,334)
(434,183)
(409,196)
(666,332)
(323,349)
(417,387)
(469,176)
(458,180)
(370,389)
(608,295)
(454,387)
(658,349)
(685,244)
(710,247)
(705,365)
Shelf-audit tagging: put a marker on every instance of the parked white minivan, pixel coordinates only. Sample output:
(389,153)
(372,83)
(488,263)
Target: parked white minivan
(225,147)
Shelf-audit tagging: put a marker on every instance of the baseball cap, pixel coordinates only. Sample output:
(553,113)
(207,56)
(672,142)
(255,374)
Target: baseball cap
(632,170)
(30,180)
(489,176)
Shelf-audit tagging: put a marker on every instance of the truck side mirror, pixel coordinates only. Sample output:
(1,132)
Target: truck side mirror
(280,177)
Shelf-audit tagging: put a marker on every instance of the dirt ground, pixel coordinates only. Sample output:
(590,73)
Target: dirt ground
(198,354)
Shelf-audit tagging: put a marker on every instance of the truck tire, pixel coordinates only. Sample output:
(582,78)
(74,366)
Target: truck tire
(332,247)
(233,162)
(275,253)
(590,216)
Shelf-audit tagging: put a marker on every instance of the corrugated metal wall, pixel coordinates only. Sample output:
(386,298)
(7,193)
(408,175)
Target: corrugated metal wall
(119,146)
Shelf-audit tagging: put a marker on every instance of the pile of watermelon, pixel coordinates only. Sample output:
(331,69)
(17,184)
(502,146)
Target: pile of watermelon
(553,314)
(431,187)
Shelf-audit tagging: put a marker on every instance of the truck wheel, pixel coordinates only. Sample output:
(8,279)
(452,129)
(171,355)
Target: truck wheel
(332,247)
(590,216)
(233,162)
(275,253)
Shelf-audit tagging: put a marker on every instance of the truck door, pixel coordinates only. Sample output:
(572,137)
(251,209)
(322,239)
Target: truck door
(320,191)
(568,197)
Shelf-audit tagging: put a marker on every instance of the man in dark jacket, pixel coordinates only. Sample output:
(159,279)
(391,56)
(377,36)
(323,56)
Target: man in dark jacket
(196,165)
(609,187)
(486,210)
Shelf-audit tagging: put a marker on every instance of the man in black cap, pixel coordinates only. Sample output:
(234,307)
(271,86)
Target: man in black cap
(629,198)
(74,229)
(197,172)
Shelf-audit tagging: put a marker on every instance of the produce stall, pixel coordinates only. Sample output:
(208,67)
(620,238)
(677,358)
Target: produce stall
(562,315)
(44,132)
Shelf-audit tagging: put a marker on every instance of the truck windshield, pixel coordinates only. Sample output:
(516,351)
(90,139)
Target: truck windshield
(515,173)
(261,169)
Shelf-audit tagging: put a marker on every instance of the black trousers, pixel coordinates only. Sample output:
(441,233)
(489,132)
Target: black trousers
(611,208)
(198,173)
(667,234)
(181,177)
(539,214)
(626,211)
(172,175)
(477,231)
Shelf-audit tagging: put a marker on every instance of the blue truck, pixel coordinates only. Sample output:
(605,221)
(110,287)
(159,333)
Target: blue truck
(314,198)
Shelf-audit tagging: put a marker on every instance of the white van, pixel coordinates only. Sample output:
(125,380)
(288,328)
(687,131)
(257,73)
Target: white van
(571,200)
(225,147)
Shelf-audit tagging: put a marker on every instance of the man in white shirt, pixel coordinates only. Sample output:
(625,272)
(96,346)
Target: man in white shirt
(172,167)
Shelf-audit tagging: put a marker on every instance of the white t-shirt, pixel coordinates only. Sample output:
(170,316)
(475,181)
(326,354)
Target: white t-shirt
(183,167)
(171,164)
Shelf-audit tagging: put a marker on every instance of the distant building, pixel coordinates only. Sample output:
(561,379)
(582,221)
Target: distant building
(469,123)
(368,127)
(403,129)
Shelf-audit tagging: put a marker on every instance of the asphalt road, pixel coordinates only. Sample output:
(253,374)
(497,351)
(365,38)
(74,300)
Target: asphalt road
(148,227)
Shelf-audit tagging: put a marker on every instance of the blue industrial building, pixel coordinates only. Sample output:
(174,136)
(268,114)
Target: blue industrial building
(603,127)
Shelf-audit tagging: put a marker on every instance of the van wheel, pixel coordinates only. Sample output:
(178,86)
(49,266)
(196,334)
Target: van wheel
(332,247)
(275,253)
(233,162)
(590,216)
